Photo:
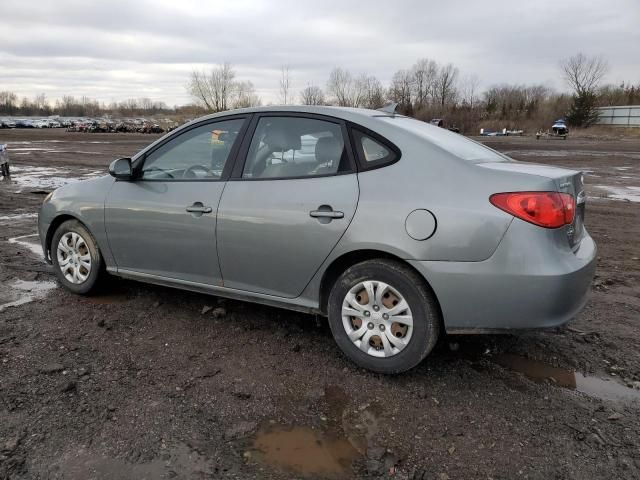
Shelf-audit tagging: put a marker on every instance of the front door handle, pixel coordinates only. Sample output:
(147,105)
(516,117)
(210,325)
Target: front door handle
(198,207)
(325,213)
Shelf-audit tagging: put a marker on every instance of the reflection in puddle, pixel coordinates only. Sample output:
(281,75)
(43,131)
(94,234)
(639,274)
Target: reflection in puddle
(305,451)
(22,291)
(592,386)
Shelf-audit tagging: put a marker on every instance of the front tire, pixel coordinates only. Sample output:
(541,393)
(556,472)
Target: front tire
(383,316)
(76,258)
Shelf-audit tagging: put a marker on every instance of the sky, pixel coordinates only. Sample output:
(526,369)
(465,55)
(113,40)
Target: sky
(112,50)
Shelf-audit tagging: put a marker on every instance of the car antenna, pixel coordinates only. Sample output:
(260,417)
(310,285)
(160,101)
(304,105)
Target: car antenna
(389,108)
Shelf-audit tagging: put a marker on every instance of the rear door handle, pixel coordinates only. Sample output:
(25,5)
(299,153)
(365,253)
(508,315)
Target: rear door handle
(323,214)
(198,207)
(325,211)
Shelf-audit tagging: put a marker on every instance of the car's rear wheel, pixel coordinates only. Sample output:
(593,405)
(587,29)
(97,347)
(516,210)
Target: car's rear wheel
(76,258)
(383,316)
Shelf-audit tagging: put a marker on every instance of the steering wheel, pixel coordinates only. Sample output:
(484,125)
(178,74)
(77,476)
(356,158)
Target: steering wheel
(191,171)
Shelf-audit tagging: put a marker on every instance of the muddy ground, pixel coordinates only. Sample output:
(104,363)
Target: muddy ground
(145,382)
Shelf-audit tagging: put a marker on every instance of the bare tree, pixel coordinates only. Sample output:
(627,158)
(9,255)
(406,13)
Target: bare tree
(312,95)
(424,79)
(469,89)
(285,85)
(373,93)
(245,95)
(340,86)
(446,85)
(401,90)
(584,73)
(214,91)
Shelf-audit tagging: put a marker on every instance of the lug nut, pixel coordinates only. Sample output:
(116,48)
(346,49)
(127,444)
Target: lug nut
(385,316)
(367,313)
(370,326)
(376,308)
(382,328)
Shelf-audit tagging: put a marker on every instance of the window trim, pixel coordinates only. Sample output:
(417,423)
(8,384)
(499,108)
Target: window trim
(363,164)
(236,174)
(141,158)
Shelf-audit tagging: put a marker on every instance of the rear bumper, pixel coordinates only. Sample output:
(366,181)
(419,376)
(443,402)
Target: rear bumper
(533,280)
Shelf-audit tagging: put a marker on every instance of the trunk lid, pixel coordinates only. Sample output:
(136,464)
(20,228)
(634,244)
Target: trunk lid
(565,180)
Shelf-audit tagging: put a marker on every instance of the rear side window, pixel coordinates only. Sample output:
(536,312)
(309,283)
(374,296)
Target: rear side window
(295,147)
(373,151)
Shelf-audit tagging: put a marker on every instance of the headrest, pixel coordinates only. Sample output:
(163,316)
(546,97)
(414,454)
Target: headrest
(328,149)
(282,139)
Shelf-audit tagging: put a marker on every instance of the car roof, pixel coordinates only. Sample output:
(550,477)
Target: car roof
(345,113)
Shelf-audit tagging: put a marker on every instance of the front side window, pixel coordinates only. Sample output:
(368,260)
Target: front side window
(293,147)
(198,154)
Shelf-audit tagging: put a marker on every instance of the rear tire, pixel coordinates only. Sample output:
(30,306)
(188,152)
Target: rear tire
(380,334)
(76,258)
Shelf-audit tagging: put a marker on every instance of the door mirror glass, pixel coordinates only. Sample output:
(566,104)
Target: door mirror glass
(121,169)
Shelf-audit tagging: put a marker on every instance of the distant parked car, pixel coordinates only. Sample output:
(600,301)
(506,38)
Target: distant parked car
(40,124)
(24,124)
(396,230)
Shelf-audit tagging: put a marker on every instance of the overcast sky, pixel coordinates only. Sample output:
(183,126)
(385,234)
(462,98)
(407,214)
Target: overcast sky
(117,49)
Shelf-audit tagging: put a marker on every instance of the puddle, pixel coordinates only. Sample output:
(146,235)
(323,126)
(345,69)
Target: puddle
(305,451)
(26,176)
(592,386)
(33,244)
(179,462)
(22,291)
(627,193)
(329,451)
(17,216)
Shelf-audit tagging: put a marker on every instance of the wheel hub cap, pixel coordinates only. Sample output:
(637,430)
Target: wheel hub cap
(377,318)
(74,258)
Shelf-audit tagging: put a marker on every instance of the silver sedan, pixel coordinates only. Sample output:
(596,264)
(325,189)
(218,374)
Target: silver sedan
(397,230)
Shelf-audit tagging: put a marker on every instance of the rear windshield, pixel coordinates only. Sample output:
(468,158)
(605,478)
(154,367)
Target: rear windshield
(455,143)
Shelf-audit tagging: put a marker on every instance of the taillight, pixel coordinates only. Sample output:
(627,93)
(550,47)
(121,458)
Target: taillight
(545,209)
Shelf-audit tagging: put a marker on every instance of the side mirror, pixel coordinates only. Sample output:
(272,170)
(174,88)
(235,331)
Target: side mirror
(121,169)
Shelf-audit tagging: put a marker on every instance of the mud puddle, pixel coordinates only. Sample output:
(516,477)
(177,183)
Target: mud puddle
(30,242)
(626,193)
(180,462)
(328,450)
(305,451)
(593,386)
(21,291)
(28,176)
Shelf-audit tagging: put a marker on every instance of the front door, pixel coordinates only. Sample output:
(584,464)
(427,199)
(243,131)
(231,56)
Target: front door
(163,223)
(279,220)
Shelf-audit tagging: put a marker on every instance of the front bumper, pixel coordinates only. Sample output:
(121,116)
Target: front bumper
(533,280)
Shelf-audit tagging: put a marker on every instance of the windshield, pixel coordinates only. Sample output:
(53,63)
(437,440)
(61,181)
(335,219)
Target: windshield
(455,143)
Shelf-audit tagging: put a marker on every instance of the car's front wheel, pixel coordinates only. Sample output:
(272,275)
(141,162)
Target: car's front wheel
(76,258)
(383,317)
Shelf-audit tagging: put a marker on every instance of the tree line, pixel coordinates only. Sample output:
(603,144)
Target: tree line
(70,106)
(429,90)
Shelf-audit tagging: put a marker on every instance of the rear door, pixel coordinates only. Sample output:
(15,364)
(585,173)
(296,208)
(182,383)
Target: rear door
(287,205)
(163,223)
